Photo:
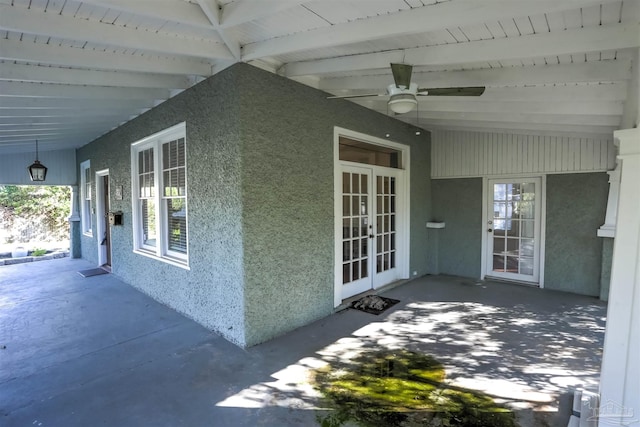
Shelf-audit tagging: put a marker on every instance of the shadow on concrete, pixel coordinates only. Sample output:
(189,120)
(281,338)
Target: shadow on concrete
(96,351)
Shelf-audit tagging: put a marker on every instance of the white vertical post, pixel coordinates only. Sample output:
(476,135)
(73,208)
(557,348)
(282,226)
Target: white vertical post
(608,229)
(75,216)
(620,374)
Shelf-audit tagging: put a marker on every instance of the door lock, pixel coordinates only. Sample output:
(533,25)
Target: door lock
(490,230)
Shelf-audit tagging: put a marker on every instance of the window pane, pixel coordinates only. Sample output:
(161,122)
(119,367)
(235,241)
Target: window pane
(177,225)
(165,156)
(345,183)
(355,183)
(356,270)
(87,217)
(346,273)
(182,182)
(149,235)
(361,152)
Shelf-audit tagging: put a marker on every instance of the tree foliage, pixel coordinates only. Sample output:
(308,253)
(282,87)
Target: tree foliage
(42,208)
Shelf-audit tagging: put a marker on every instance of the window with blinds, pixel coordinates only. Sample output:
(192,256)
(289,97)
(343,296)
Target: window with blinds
(160,195)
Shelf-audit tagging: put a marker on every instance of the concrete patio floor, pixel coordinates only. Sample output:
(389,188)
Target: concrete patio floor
(80,351)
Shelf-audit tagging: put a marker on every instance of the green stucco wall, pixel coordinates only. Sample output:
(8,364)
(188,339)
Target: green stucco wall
(211,292)
(288,197)
(260,201)
(576,207)
(458,203)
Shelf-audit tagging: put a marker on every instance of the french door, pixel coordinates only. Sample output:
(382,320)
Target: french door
(370,227)
(513,227)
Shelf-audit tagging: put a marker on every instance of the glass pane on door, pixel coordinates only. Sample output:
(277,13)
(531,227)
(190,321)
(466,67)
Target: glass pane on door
(385,223)
(514,227)
(355,224)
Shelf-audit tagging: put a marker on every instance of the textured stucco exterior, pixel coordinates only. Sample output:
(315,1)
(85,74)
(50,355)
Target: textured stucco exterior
(288,200)
(576,207)
(211,291)
(261,220)
(458,203)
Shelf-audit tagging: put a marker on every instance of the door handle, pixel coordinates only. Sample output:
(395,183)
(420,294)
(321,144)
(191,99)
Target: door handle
(371,236)
(490,230)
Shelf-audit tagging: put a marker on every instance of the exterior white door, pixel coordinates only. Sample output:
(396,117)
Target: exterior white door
(513,227)
(369,207)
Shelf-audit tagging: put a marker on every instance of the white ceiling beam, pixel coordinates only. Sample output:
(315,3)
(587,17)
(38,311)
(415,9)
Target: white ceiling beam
(445,103)
(516,117)
(76,112)
(575,92)
(418,20)
(41,134)
(576,131)
(59,145)
(32,21)
(47,90)
(599,71)
(166,10)
(582,40)
(39,103)
(29,130)
(15,50)
(61,119)
(87,125)
(242,11)
(211,9)
(74,76)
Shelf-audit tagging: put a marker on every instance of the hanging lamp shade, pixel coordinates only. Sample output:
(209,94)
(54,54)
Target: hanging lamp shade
(37,171)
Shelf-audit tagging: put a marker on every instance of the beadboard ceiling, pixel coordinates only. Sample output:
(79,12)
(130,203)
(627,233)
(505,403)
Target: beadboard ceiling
(72,70)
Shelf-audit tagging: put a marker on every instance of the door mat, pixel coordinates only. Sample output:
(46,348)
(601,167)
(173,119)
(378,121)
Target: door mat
(374,304)
(92,272)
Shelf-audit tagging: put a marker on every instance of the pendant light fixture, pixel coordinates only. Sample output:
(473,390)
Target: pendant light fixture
(37,171)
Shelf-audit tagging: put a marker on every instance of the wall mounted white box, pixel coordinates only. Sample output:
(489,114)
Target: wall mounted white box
(435,224)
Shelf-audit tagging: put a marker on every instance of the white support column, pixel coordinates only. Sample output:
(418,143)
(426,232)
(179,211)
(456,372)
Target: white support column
(620,374)
(74,216)
(608,229)
(74,225)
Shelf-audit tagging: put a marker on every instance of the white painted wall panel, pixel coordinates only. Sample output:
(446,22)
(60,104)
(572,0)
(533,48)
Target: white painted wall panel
(457,154)
(61,167)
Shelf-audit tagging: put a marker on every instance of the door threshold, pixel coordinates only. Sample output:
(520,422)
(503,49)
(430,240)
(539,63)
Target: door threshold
(346,303)
(512,281)
(106,267)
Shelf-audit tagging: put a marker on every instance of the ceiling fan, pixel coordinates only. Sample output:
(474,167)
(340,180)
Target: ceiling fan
(403,94)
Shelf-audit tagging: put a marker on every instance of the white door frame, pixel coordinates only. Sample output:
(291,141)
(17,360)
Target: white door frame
(543,221)
(101,212)
(403,217)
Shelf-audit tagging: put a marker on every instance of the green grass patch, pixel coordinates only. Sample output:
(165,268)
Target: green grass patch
(403,388)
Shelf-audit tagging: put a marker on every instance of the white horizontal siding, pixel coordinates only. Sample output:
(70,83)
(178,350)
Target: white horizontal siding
(456,154)
(61,167)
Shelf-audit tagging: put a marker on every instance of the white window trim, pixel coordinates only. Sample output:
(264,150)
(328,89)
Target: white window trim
(160,251)
(85,211)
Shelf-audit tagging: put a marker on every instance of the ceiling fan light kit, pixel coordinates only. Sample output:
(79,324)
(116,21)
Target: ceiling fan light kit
(402,103)
(403,95)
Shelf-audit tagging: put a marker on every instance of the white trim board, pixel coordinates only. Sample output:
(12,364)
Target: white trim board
(403,193)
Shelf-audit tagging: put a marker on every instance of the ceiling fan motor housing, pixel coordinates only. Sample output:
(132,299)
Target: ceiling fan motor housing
(402,100)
